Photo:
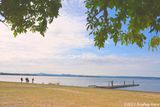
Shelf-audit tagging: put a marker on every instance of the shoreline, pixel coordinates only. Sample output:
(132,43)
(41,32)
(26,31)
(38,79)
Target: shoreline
(54,84)
(148,85)
(75,75)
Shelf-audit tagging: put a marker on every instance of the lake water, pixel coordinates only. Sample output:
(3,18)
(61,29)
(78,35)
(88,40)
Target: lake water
(151,85)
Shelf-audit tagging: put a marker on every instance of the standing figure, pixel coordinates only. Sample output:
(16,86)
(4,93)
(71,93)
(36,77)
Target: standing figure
(21,79)
(27,80)
(32,80)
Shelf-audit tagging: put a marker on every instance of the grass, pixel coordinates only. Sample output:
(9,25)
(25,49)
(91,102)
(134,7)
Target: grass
(34,95)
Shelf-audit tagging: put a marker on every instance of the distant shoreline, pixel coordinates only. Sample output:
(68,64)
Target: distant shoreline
(73,75)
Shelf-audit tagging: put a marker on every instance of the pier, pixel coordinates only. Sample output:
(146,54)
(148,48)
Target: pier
(111,85)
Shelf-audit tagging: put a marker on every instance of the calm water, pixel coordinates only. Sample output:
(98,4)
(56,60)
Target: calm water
(151,85)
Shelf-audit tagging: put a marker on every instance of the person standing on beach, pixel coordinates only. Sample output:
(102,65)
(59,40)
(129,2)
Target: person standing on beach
(32,80)
(27,80)
(21,79)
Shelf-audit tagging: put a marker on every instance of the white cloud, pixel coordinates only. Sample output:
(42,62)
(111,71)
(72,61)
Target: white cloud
(31,52)
(65,33)
(94,64)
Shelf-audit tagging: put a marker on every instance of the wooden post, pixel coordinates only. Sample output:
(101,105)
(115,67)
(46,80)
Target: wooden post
(108,83)
(112,83)
(133,82)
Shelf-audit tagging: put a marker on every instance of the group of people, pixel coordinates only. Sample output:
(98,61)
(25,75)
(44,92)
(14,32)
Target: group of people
(27,80)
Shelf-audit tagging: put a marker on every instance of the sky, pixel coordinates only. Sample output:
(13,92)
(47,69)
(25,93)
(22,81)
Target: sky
(67,48)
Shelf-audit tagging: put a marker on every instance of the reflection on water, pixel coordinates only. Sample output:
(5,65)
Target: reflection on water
(152,85)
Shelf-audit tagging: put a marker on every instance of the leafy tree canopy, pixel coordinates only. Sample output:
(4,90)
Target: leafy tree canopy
(32,15)
(136,15)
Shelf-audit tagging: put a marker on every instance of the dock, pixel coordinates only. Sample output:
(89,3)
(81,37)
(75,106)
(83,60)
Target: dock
(115,86)
(112,86)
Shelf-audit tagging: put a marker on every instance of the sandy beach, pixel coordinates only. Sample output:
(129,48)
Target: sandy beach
(40,95)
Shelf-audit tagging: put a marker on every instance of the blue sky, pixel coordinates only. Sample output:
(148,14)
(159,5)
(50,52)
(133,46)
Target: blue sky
(67,48)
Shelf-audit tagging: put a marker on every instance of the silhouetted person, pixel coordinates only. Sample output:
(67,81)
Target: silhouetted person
(124,82)
(27,80)
(21,80)
(32,80)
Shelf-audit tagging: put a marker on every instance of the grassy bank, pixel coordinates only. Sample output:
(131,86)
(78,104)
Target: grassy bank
(29,95)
